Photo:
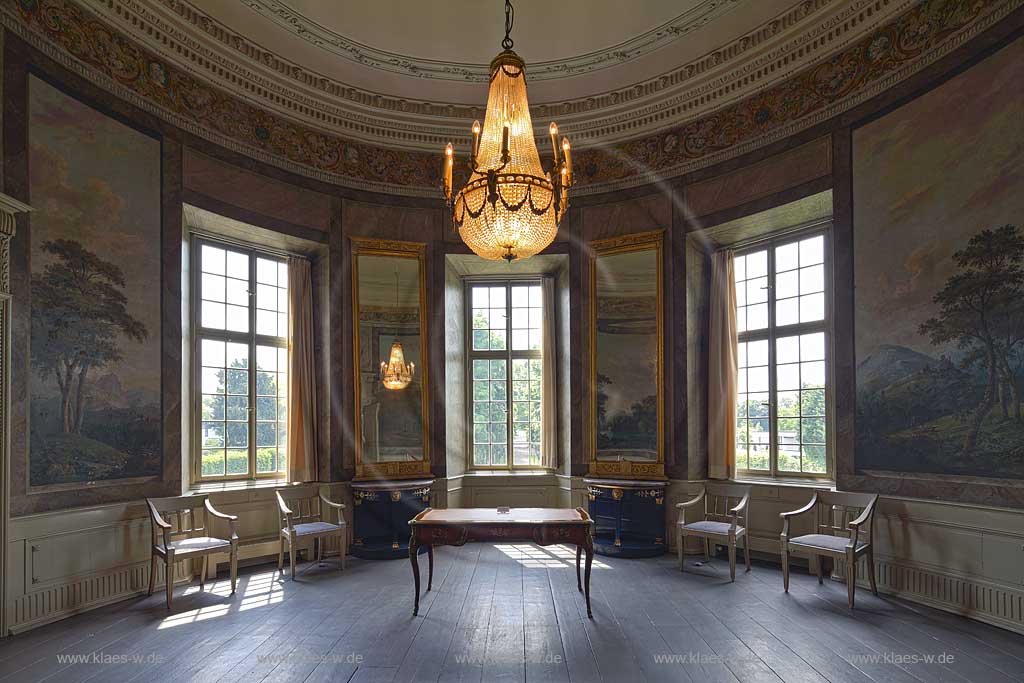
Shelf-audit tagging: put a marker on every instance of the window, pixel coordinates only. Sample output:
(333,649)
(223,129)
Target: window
(506,371)
(782,410)
(240,314)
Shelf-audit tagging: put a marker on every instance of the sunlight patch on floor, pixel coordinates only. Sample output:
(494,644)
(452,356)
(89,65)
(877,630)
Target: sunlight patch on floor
(540,557)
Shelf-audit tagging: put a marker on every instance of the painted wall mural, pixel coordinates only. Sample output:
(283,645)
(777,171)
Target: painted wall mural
(95,294)
(940,310)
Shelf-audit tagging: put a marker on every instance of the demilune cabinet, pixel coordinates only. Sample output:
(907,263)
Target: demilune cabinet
(629,517)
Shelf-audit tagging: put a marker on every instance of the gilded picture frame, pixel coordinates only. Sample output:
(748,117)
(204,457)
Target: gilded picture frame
(624,467)
(398,469)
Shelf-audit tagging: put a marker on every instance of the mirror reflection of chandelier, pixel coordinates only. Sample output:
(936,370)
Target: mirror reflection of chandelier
(510,207)
(396,373)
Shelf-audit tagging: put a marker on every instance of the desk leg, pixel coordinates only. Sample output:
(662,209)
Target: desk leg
(430,565)
(413,547)
(579,552)
(586,576)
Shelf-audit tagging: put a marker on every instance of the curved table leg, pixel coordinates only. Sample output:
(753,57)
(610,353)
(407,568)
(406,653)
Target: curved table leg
(415,573)
(430,566)
(579,552)
(586,576)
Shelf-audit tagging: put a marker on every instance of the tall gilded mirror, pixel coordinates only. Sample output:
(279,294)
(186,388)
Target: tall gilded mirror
(626,357)
(389,312)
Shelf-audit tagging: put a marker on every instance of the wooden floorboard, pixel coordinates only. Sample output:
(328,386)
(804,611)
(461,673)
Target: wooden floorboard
(514,613)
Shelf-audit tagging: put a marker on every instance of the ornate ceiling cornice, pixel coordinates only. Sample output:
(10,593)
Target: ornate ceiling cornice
(324,38)
(170,74)
(185,35)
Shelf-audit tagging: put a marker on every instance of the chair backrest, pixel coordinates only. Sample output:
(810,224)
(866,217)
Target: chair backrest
(304,502)
(185,514)
(720,498)
(836,509)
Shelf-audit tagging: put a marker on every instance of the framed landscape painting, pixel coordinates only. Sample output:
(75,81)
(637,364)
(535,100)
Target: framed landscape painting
(95,340)
(939,311)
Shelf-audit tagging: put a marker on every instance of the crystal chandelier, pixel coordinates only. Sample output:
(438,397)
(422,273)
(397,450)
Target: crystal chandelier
(510,207)
(396,373)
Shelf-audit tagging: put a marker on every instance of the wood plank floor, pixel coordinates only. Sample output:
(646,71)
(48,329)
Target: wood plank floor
(512,613)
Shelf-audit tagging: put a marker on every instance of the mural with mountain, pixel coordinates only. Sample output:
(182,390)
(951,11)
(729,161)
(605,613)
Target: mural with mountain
(95,410)
(940,309)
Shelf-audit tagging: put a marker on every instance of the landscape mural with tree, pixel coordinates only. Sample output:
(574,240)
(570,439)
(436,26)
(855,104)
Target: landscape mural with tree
(95,294)
(940,311)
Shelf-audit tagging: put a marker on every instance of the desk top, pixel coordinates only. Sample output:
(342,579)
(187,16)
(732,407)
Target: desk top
(502,516)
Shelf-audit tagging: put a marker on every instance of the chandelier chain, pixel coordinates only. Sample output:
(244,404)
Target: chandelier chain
(510,17)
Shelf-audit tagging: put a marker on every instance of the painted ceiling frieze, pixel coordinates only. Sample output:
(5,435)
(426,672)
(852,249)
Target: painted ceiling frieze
(88,44)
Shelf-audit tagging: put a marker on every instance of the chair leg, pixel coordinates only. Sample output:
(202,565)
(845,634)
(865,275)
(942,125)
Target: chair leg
(202,572)
(851,579)
(280,555)
(341,548)
(785,568)
(732,559)
(871,569)
(291,556)
(169,576)
(152,573)
(680,540)
(816,566)
(234,566)
(746,549)
(707,549)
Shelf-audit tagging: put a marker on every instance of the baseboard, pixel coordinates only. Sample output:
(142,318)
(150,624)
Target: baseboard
(971,597)
(67,599)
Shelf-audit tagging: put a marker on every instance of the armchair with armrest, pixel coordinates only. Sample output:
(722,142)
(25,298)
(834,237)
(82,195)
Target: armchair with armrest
(188,537)
(301,517)
(725,521)
(834,535)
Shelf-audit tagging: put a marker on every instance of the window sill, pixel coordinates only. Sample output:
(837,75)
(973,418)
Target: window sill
(508,473)
(242,485)
(829,484)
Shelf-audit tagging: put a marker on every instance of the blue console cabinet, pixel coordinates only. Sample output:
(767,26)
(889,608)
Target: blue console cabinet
(381,511)
(629,517)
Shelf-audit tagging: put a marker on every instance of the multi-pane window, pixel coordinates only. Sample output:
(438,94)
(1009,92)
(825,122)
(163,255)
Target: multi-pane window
(506,373)
(783,358)
(241,317)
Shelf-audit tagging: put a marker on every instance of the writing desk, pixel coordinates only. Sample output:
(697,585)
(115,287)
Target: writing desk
(543,526)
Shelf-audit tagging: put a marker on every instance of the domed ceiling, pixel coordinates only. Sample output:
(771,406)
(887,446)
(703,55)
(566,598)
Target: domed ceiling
(366,93)
(413,74)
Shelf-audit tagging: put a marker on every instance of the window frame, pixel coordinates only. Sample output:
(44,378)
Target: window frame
(773,332)
(251,338)
(508,355)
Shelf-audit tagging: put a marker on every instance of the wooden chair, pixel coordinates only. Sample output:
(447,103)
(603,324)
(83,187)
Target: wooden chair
(725,521)
(301,517)
(836,534)
(188,537)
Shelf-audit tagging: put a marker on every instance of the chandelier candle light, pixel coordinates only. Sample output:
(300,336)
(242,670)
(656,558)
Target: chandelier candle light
(396,374)
(510,207)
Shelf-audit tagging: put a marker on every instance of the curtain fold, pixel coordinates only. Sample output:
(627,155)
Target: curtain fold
(722,368)
(548,402)
(301,373)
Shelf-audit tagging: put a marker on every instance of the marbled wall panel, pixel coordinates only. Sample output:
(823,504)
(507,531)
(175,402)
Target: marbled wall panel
(777,173)
(257,193)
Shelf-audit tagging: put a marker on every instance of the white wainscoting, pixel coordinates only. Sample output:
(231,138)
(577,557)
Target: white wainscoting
(964,559)
(63,563)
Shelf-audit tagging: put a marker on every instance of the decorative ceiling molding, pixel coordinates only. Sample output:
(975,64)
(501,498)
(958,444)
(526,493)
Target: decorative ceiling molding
(324,38)
(184,35)
(869,63)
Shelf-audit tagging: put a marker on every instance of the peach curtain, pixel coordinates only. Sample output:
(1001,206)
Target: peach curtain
(301,373)
(722,368)
(548,405)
